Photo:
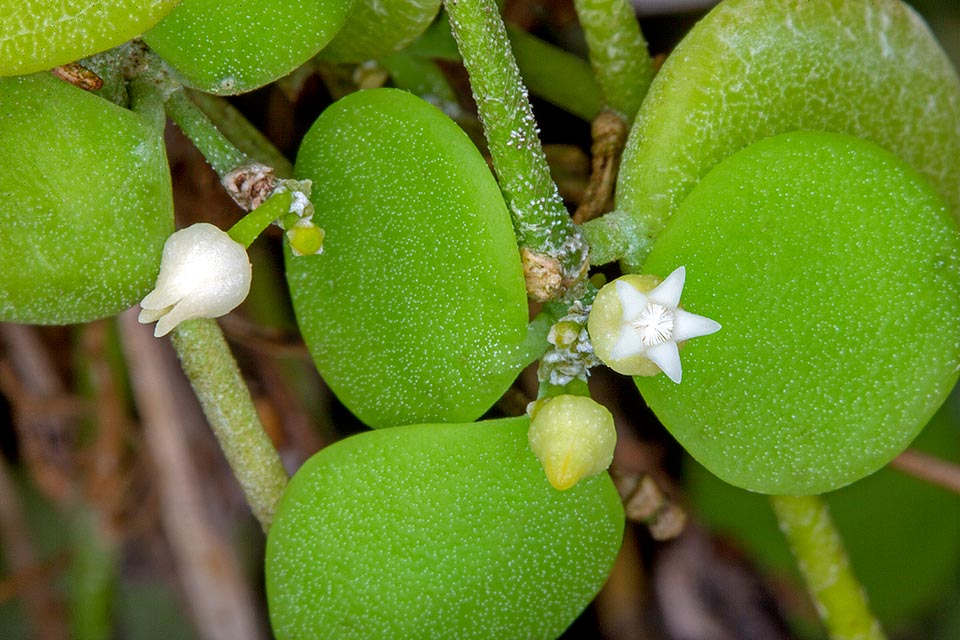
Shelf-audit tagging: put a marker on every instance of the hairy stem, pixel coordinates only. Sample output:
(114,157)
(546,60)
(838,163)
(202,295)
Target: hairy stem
(821,558)
(557,76)
(226,401)
(618,53)
(553,250)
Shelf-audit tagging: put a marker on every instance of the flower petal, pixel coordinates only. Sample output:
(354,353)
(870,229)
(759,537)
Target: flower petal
(688,325)
(204,273)
(169,321)
(151,315)
(668,292)
(666,356)
(630,343)
(632,301)
(160,298)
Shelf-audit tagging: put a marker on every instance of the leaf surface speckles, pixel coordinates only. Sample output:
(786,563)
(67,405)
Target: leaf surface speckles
(416,309)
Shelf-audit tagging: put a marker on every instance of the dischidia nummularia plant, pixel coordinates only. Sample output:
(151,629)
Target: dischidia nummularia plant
(789,173)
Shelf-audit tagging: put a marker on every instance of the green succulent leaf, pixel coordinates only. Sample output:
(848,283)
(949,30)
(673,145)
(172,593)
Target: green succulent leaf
(85,203)
(232,46)
(912,527)
(835,272)
(376,28)
(36,35)
(437,531)
(755,68)
(416,309)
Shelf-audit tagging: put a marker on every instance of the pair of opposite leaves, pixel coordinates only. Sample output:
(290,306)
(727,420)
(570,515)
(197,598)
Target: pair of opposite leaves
(59,264)
(794,242)
(841,344)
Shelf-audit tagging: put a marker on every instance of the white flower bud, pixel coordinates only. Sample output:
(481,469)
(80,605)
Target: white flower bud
(204,273)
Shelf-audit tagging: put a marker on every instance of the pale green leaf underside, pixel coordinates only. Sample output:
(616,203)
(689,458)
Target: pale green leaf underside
(756,68)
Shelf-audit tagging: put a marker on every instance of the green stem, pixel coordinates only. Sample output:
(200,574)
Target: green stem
(93,579)
(222,155)
(613,236)
(226,401)
(109,66)
(618,53)
(147,101)
(248,182)
(576,387)
(547,236)
(821,558)
(559,77)
(250,226)
(241,132)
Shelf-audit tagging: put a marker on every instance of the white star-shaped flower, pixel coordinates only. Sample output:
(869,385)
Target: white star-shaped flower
(652,324)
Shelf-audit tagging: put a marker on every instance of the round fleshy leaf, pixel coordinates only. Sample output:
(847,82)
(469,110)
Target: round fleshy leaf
(437,531)
(416,309)
(376,28)
(233,46)
(898,530)
(835,272)
(36,35)
(755,68)
(85,203)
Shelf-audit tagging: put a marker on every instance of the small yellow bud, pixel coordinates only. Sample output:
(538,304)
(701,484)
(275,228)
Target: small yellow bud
(306,239)
(573,437)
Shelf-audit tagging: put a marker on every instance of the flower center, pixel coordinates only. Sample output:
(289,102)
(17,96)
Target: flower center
(654,323)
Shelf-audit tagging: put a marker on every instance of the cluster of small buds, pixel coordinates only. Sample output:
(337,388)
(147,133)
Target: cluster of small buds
(306,238)
(570,354)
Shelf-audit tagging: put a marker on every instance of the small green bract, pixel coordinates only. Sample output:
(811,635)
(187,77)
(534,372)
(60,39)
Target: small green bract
(437,531)
(835,272)
(416,309)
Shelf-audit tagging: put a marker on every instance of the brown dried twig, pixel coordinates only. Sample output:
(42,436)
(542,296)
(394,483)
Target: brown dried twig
(220,599)
(943,473)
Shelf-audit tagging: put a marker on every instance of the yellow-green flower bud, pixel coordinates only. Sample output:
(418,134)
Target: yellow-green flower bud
(573,437)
